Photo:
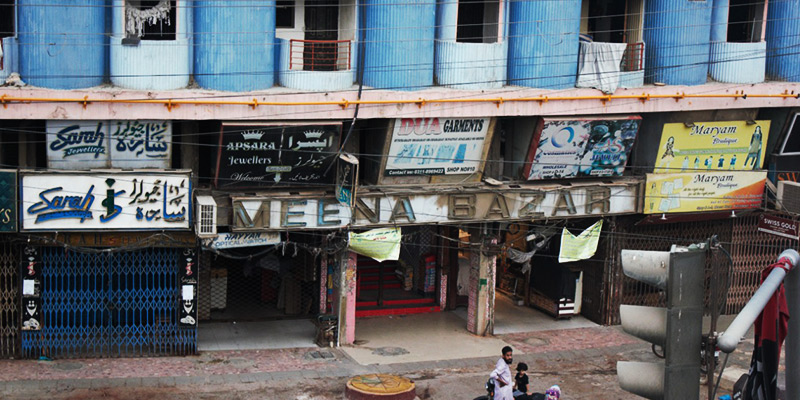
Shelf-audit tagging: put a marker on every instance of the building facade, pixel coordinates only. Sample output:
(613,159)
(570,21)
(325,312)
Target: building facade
(182,162)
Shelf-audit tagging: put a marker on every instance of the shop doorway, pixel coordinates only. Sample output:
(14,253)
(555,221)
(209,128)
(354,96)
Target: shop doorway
(258,297)
(9,300)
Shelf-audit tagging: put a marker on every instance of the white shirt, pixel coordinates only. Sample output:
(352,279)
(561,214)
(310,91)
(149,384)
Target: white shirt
(502,371)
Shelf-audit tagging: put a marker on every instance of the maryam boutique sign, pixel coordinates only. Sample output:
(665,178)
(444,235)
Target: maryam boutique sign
(412,208)
(130,200)
(262,155)
(704,191)
(81,145)
(436,146)
(568,148)
(712,146)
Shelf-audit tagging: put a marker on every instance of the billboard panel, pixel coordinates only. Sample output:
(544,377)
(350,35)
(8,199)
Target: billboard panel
(704,191)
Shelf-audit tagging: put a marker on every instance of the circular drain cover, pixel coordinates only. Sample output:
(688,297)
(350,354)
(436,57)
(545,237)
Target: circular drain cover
(390,351)
(537,341)
(380,386)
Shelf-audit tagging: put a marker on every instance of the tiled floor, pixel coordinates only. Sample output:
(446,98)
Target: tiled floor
(212,336)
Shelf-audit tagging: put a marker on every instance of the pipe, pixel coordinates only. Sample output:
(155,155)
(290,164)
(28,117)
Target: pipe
(728,341)
(792,349)
(6,100)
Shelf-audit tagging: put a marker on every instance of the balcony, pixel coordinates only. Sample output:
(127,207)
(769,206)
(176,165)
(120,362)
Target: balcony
(738,62)
(8,57)
(608,66)
(316,65)
(471,65)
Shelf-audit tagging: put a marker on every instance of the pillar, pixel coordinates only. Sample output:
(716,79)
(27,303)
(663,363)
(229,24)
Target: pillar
(345,299)
(719,21)
(480,310)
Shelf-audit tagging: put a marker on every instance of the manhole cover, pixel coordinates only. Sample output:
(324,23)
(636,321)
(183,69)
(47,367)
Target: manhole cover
(67,366)
(380,386)
(390,351)
(320,355)
(536,341)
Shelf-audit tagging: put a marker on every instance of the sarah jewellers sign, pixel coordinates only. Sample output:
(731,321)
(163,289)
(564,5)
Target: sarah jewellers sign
(122,201)
(262,155)
(436,146)
(81,145)
(411,208)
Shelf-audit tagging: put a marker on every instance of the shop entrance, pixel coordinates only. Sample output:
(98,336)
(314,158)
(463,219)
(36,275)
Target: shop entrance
(9,300)
(258,298)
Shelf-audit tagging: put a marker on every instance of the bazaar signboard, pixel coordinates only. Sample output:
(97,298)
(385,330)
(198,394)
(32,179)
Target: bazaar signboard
(411,208)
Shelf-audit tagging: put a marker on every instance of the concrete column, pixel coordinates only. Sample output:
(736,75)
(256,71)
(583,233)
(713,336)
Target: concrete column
(346,298)
(480,310)
(190,156)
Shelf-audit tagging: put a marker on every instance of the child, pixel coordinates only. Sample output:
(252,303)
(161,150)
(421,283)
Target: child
(521,382)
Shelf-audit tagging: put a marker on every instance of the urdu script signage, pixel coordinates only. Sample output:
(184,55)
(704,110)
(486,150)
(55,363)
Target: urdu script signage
(67,201)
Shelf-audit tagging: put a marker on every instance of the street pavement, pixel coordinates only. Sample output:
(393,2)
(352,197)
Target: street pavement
(582,361)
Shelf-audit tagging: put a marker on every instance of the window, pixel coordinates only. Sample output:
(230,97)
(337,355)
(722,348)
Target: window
(792,143)
(151,19)
(745,21)
(603,20)
(478,21)
(284,14)
(7,16)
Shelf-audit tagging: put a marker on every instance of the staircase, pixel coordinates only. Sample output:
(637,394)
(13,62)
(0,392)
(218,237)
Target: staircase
(393,299)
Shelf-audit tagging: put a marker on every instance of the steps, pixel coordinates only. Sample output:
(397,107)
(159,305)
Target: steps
(396,301)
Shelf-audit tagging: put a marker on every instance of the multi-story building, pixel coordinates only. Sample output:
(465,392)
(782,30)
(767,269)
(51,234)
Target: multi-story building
(182,162)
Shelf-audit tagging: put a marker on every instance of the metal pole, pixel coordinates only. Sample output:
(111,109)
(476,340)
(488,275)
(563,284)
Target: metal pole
(792,340)
(728,341)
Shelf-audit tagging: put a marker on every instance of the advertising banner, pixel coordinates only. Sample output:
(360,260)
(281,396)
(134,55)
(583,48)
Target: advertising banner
(436,146)
(128,200)
(263,155)
(568,148)
(712,146)
(244,239)
(703,191)
(581,247)
(779,226)
(8,201)
(82,145)
(379,244)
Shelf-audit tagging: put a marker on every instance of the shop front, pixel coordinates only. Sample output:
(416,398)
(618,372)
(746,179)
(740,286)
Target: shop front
(110,269)
(9,266)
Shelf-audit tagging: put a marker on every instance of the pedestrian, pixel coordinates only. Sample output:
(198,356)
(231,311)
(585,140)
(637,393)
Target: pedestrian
(503,389)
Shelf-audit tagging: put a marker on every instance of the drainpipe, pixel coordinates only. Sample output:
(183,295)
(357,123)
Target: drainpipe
(728,341)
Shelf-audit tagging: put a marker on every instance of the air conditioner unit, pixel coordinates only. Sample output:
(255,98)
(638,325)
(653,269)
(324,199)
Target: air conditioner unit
(206,221)
(789,196)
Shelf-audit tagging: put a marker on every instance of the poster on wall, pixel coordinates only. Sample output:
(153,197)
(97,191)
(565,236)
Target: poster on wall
(703,191)
(188,307)
(31,272)
(262,155)
(568,148)
(82,145)
(436,146)
(8,201)
(126,200)
(712,146)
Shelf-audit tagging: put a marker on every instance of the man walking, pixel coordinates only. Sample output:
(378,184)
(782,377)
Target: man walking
(503,389)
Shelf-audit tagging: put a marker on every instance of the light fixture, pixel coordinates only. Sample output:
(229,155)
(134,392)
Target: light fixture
(733,214)
(751,122)
(688,124)
(663,217)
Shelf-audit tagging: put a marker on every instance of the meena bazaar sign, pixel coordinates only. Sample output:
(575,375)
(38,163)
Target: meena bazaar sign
(104,201)
(406,207)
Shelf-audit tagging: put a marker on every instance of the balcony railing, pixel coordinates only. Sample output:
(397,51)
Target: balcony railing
(319,55)
(633,58)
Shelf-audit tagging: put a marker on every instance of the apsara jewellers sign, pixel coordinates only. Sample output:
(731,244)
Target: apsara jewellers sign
(81,145)
(263,155)
(129,200)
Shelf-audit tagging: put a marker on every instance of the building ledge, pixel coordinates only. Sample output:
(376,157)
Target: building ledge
(286,104)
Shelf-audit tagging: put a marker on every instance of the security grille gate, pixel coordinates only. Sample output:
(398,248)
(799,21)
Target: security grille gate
(110,305)
(9,301)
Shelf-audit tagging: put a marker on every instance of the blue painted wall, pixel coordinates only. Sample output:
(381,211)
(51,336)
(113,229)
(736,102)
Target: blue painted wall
(399,43)
(783,40)
(61,43)
(234,44)
(677,34)
(543,43)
